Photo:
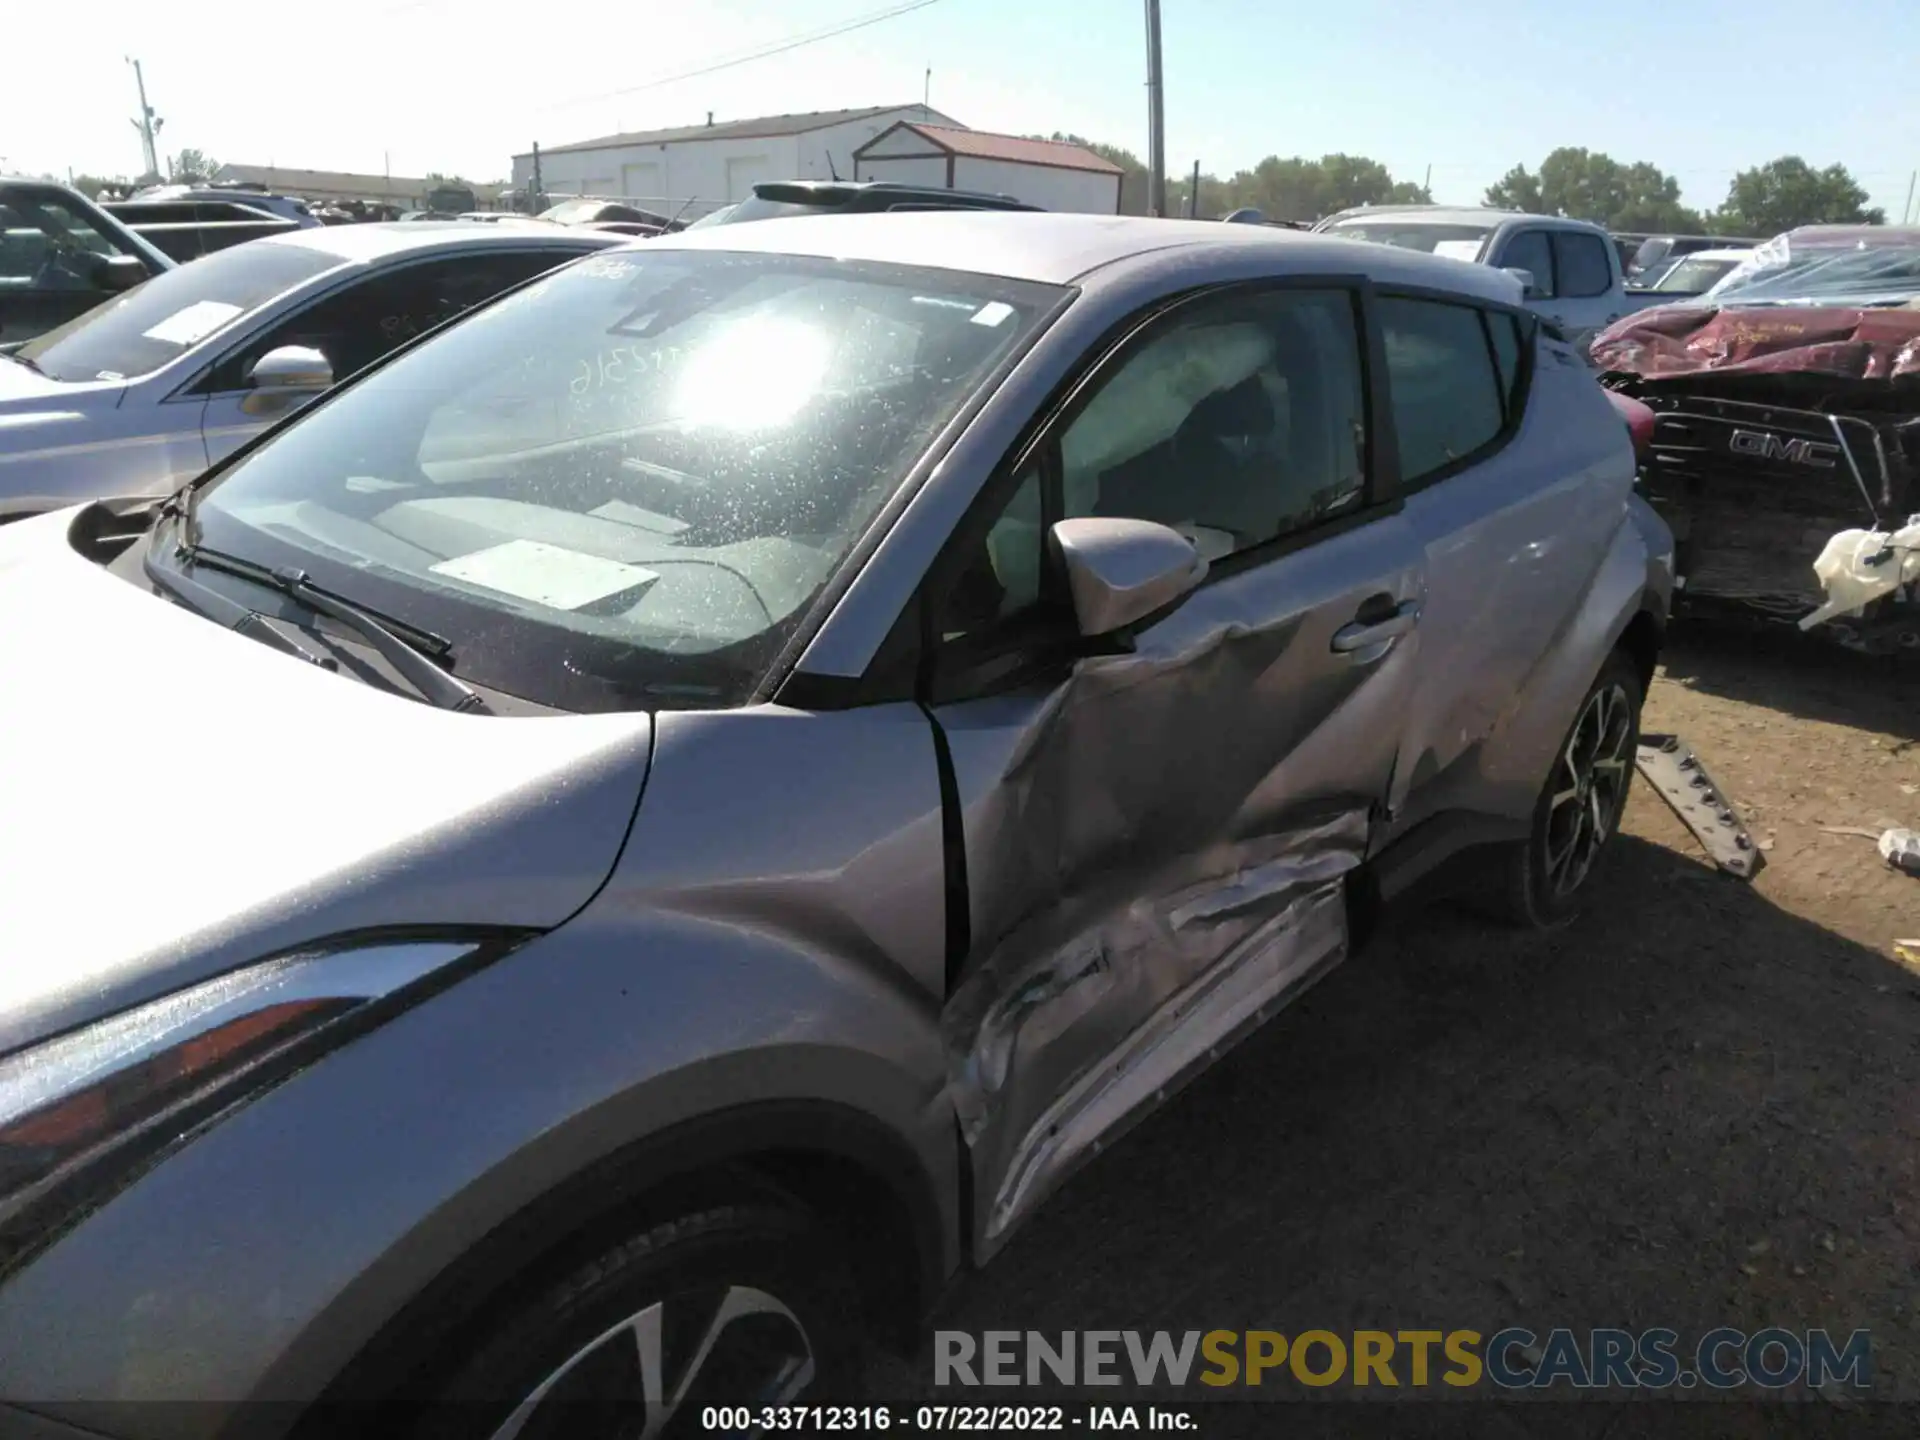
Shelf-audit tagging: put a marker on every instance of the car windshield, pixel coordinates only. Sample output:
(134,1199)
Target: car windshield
(621,486)
(717,217)
(171,313)
(1691,276)
(573,212)
(1458,242)
(756,207)
(1877,266)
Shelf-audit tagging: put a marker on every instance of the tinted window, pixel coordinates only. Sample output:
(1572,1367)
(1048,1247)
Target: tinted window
(621,486)
(1446,396)
(1581,264)
(1241,422)
(356,325)
(1529,250)
(174,311)
(1505,334)
(47,244)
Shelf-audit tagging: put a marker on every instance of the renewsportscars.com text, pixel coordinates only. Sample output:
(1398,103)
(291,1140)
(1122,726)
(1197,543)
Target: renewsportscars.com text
(1513,1358)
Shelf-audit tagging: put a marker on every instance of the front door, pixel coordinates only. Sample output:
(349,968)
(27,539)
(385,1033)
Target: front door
(1156,829)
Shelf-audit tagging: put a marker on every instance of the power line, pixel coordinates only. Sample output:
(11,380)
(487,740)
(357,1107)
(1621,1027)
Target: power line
(845,27)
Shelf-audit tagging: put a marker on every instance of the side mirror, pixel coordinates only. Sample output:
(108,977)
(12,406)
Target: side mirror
(116,273)
(1121,571)
(291,368)
(1525,277)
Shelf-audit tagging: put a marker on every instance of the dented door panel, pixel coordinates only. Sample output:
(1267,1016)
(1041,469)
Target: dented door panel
(1155,851)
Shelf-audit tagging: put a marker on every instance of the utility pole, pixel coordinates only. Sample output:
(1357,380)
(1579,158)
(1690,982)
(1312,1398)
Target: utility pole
(1427,184)
(1193,195)
(1156,118)
(539,190)
(147,124)
(926,95)
(1907,209)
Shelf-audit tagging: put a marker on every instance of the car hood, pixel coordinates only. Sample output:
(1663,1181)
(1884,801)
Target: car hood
(29,400)
(1847,342)
(180,800)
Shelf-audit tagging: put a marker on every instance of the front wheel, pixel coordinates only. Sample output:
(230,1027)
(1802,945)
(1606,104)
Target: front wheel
(741,1307)
(1538,883)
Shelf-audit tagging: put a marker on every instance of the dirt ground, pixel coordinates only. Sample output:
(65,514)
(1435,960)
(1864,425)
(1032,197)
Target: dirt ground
(1696,1108)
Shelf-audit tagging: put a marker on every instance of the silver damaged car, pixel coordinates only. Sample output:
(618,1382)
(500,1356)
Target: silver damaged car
(667,818)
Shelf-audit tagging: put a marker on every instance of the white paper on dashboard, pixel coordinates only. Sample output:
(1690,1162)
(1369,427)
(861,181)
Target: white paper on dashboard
(194,323)
(545,574)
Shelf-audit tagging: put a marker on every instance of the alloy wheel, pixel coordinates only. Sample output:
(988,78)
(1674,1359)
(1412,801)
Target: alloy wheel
(1590,785)
(648,1377)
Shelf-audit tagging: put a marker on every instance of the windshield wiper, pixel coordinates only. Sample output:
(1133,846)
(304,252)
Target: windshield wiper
(234,616)
(23,361)
(412,660)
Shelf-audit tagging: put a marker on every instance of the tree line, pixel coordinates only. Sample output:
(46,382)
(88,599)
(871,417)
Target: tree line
(1578,183)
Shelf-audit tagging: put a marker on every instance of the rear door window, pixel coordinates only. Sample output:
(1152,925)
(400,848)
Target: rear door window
(1447,395)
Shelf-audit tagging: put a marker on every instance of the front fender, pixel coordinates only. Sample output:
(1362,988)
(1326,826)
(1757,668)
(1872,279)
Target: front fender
(255,1263)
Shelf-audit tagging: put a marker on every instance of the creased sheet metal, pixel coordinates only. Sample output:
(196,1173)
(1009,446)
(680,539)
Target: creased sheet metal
(1156,855)
(1848,342)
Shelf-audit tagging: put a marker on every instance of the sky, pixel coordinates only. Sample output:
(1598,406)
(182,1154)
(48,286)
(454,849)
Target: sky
(1469,88)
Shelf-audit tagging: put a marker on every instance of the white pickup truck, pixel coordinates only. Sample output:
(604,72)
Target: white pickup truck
(1571,269)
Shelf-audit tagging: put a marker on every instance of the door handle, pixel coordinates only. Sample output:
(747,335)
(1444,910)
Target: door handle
(1362,634)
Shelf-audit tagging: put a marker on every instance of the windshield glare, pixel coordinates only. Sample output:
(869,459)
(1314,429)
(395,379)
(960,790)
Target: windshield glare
(1827,270)
(621,486)
(1458,242)
(166,316)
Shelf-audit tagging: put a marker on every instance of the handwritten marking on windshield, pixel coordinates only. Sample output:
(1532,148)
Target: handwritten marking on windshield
(610,367)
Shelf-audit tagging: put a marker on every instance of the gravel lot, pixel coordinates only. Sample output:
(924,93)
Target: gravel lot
(1696,1108)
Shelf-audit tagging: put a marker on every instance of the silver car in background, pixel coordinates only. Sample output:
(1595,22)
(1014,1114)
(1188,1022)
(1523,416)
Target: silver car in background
(140,394)
(706,790)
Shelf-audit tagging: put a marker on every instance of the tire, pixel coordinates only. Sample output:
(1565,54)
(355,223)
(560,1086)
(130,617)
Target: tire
(1540,883)
(736,1306)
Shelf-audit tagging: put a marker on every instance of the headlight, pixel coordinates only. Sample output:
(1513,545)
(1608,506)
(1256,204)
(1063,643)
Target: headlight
(125,1087)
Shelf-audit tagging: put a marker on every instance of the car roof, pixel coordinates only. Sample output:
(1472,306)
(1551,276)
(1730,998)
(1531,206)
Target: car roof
(1457,215)
(380,240)
(1058,248)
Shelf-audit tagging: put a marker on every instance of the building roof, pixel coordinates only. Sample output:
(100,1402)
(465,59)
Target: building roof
(983,145)
(340,182)
(753,129)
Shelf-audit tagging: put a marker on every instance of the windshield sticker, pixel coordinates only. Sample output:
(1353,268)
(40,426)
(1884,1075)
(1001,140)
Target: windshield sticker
(194,323)
(546,574)
(994,312)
